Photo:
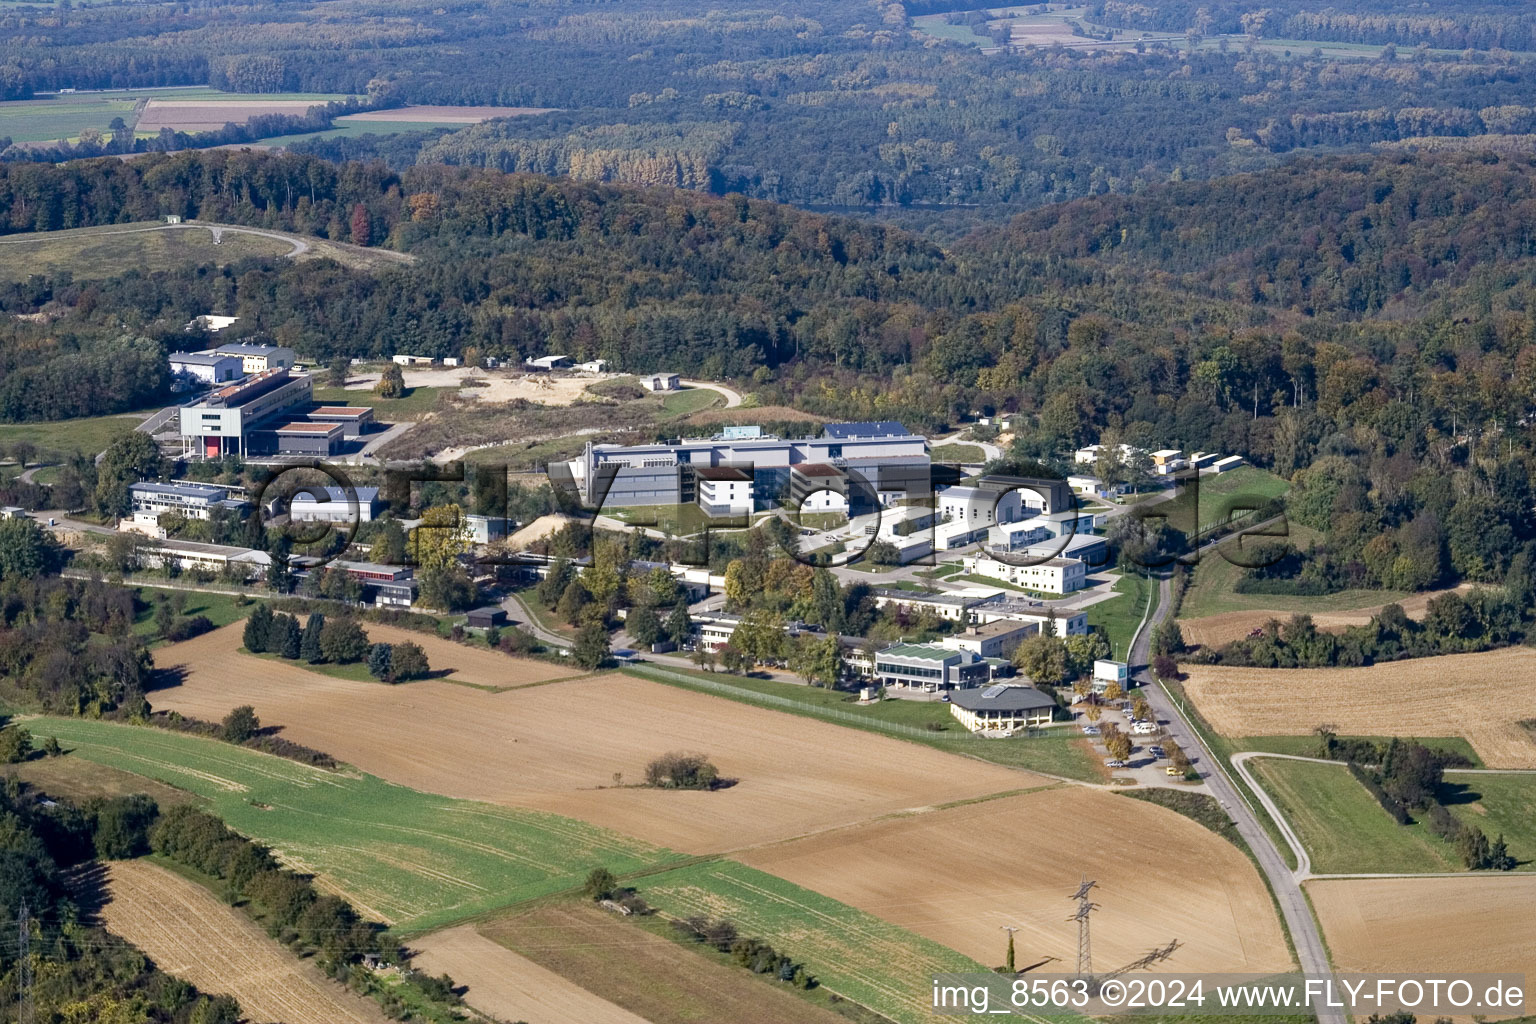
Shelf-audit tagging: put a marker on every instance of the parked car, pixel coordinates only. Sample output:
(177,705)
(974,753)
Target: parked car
(1171,770)
(1157,752)
(1090,730)
(1143,728)
(1113,762)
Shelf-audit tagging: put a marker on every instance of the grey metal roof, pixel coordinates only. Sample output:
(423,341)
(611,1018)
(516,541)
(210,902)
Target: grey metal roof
(309,496)
(207,492)
(1012,698)
(866,428)
(201,358)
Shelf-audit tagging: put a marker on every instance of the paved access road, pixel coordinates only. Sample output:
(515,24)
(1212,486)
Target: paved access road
(1310,951)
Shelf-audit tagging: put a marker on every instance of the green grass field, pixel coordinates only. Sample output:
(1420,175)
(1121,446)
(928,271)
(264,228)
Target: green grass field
(1219,497)
(220,609)
(417,860)
(415,403)
(1495,804)
(1342,826)
(853,953)
(91,254)
(690,400)
(90,434)
(358,129)
(51,118)
(1119,616)
(1058,752)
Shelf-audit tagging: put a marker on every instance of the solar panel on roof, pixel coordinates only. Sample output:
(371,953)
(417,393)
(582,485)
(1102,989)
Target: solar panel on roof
(993,690)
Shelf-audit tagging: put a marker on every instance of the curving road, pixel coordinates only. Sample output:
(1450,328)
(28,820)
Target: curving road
(731,395)
(1310,951)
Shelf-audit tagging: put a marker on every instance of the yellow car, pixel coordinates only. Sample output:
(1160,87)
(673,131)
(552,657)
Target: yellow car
(1171,770)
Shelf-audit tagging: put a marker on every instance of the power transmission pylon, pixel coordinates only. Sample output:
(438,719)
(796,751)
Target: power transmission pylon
(24,965)
(1085,906)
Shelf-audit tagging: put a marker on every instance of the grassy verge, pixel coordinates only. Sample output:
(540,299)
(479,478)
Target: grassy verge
(962,453)
(1119,616)
(1222,750)
(690,400)
(415,403)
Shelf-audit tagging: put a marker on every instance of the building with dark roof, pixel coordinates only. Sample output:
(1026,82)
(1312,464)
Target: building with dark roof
(1001,709)
(865,429)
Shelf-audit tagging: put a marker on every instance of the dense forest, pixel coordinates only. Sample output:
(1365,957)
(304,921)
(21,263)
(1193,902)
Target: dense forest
(813,103)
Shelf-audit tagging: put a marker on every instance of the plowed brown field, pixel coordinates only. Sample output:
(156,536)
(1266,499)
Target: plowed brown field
(958,875)
(1482,697)
(211,115)
(509,986)
(1215,630)
(557,748)
(190,933)
(1429,925)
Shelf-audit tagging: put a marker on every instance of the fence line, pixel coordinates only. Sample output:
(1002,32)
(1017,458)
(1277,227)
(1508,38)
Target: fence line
(774,700)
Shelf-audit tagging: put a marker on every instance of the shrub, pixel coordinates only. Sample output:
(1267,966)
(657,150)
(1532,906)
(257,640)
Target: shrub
(241,724)
(679,770)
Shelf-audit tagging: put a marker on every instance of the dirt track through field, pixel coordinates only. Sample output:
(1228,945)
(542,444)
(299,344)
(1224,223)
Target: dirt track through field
(1215,630)
(1438,926)
(1482,697)
(191,934)
(509,986)
(957,876)
(558,747)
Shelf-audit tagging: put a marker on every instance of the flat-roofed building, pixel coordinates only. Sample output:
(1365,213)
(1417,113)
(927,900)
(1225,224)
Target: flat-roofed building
(954,607)
(1168,461)
(301,439)
(259,358)
(223,421)
(1001,709)
(192,501)
(878,469)
(724,490)
(1047,575)
(354,419)
(817,487)
(208,367)
(929,667)
(219,558)
(1227,464)
(1052,621)
(996,639)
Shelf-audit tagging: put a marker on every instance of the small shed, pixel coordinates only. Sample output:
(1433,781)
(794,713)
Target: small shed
(489,617)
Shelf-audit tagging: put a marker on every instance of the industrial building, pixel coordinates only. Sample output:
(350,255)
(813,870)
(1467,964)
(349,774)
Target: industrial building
(208,367)
(225,421)
(258,358)
(354,419)
(879,461)
(661,382)
(313,504)
(217,558)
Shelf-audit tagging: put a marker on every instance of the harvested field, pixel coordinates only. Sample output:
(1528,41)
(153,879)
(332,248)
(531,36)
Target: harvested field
(1441,925)
(192,934)
(499,386)
(445,115)
(1167,877)
(1481,697)
(558,748)
(508,986)
(182,115)
(215,659)
(1215,630)
(479,666)
(631,966)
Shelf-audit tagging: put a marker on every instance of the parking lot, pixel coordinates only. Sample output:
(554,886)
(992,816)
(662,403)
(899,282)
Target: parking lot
(1144,765)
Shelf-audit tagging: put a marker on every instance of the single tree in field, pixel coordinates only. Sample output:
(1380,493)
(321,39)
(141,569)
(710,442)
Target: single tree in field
(391,384)
(15,744)
(23,452)
(336,374)
(600,884)
(241,724)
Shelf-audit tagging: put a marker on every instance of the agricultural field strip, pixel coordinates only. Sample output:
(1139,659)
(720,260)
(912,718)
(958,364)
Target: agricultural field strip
(191,933)
(409,858)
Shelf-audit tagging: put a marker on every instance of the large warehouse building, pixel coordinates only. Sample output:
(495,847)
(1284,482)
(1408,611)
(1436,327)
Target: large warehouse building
(878,458)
